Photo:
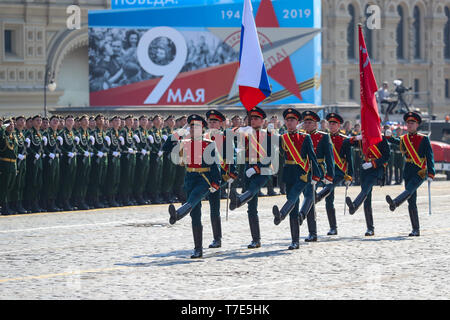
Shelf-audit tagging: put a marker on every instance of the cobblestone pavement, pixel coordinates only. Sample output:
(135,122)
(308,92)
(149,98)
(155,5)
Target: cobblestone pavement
(133,253)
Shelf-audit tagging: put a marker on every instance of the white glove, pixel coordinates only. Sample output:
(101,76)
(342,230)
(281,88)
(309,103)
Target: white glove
(181,132)
(52,156)
(92,154)
(359,137)
(347,183)
(150,138)
(160,154)
(28,141)
(144,152)
(247,129)
(130,150)
(212,189)
(313,182)
(137,138)
(388,133)
(326,181)
(21,157)
(100,154)
(367,165)
(77,140)
(87,154)
(429,179)
(60,139)
(164,137)
(108,140)
(37,156)
(70,155)
(250,172)
(92,139)
(230,180)
(116,154)
(270,127)
(44,138)
(122,140)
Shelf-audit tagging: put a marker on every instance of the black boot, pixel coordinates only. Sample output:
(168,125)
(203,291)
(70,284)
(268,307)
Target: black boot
(82,204)
(253,221)
(51,207)
(271,192)
(197,232)
(112,202)
(35,207)
(216,225)
(295,232)
(369,222)
(283,188)
(6,210)
(280,215)
(238,201)
(414,216)
(323,193)
(397,202)
(354,206)
(179,214)
(331,213)
(19,208)
(67,206)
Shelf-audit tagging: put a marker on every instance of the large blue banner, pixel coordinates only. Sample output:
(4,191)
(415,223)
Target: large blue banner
(187,51)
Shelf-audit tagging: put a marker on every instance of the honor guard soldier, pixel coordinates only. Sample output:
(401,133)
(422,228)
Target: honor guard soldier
(8,166)
(300,168)
(19,182)
(258,148)
(201,178)
(99,162)
(84,163)
(372,173)
(128,161)
(419,167)
(51,166)
(114,154)
(324,153)
(154,183)
(142,160)
(33,185)
(343,170)
(68,163)
(227,171)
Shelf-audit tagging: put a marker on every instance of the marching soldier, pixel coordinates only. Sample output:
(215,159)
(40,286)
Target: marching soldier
(33,185)
(84,158)
(19,182)
(255,153)
(343,170)
(372,173)
(8,168)
(99,162)
(168,168)
(142,160)
(227,171)
(324,153)
(114,154)
(127,161)
(300,169)
(154,183)
(419,167)
(201,178)
(68,163)
(51,166)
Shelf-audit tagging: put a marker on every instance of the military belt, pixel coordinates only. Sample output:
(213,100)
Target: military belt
(198,169)
(8,160)
(290,162)
(411,160)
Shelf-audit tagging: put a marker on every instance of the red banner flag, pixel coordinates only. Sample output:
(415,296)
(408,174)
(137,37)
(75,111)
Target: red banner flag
(370,119)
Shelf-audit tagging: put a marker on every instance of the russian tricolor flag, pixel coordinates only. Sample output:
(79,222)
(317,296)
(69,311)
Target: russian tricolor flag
(252,78)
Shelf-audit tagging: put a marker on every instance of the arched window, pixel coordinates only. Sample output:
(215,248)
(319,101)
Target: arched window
(368,35)
(351,33)
(400,30)
(447,34)
(416,27)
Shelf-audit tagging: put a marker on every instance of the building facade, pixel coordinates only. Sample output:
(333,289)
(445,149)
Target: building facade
(412,44)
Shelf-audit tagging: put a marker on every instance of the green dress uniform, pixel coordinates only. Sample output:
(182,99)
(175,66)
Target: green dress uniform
(51,170)
(154,182)
(419,166)
(168,172)
(201,178)
(99,168)
(8,168)
(33,178)
(142,164)
(68,168)
(84,159)
(300,167)
(127,166)
(113,174)
(19,183)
